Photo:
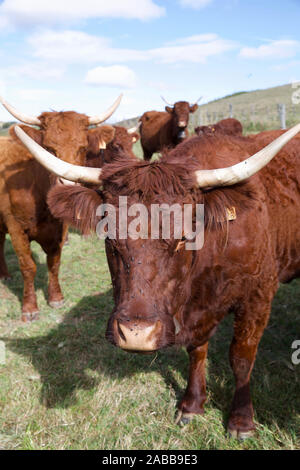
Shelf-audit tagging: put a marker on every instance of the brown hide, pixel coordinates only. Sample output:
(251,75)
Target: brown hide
(161,130)
(24,213)
(158,285)
(122,139)
(228,126)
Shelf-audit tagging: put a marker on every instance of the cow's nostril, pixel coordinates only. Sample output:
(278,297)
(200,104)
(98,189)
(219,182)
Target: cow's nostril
(120,332)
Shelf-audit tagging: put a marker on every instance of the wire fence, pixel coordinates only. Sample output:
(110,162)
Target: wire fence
(253,117)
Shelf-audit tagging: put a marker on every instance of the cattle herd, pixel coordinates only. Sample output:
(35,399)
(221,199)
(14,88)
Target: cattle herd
(58,172)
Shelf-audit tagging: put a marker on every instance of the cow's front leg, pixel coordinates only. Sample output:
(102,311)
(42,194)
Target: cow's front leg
(55,296)
(195,395)
(247,334)
(21,245)
(4,274)
(53,249)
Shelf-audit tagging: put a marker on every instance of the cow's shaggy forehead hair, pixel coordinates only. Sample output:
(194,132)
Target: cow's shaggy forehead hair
(65,119)
(172,179)
(128,177)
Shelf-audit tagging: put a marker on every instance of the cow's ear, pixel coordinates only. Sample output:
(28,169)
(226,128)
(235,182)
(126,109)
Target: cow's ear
(135,137)
(100,137)
(35,134)
(193,108)
(168,109)
(75,205)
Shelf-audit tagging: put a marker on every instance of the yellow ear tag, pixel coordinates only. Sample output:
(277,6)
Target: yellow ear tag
(180,245)
(102,145)
(231,213)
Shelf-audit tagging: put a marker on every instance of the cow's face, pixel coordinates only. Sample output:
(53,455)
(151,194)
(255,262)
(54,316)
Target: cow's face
(149,276)
(150,286)
(180,113)
(66,135)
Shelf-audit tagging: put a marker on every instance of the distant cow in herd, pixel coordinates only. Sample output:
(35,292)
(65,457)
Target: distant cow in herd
(100,153)
(167,129)
(166,294)
(228,126)
(24,185)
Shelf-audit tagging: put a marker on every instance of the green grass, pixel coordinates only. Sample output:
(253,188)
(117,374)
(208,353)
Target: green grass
(65,387)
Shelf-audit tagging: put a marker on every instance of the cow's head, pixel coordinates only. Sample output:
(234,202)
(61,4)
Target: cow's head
(99,154)
(180,112)
(152,278)
(125,138)
(65,134)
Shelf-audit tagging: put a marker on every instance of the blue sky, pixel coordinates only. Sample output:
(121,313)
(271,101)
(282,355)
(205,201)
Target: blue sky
(81,54)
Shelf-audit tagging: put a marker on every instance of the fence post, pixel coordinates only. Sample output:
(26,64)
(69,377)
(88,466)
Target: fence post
(230,110)
(282,115)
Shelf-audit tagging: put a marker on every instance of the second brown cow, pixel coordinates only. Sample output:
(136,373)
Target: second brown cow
(167,129)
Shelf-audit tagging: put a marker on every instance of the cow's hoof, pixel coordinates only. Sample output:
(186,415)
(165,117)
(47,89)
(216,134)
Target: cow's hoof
(240,435)
(57,303)
(241,427)
(182,419)
(28,317)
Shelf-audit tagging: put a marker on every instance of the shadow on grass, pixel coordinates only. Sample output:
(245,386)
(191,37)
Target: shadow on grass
(64,356)
(15,285)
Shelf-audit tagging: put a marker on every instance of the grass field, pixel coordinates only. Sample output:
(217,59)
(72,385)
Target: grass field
(65,387)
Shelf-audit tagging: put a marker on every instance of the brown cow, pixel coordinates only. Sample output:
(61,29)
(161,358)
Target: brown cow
(161,130)
(98,154)
(24,185)
(228,126)
(166,293)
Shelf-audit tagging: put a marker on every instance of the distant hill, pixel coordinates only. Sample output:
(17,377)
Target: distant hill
(257,110)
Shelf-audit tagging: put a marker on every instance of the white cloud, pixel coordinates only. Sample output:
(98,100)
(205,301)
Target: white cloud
(195,49)
(192,39)
(114,76)
(79,47)
(281,49)
(196,4)
(37,12)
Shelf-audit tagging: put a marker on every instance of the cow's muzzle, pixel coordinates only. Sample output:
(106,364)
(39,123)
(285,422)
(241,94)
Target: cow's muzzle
(139,336)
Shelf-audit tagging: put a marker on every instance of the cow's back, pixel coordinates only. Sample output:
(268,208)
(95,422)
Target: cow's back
(155,130)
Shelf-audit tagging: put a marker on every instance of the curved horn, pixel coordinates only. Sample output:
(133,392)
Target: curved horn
(243,170)
(76,173)
(104,116)
(198,100)
(34,121)
(134,129)
(166,101)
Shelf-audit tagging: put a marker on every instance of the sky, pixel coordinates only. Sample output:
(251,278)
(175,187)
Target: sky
(80,55)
